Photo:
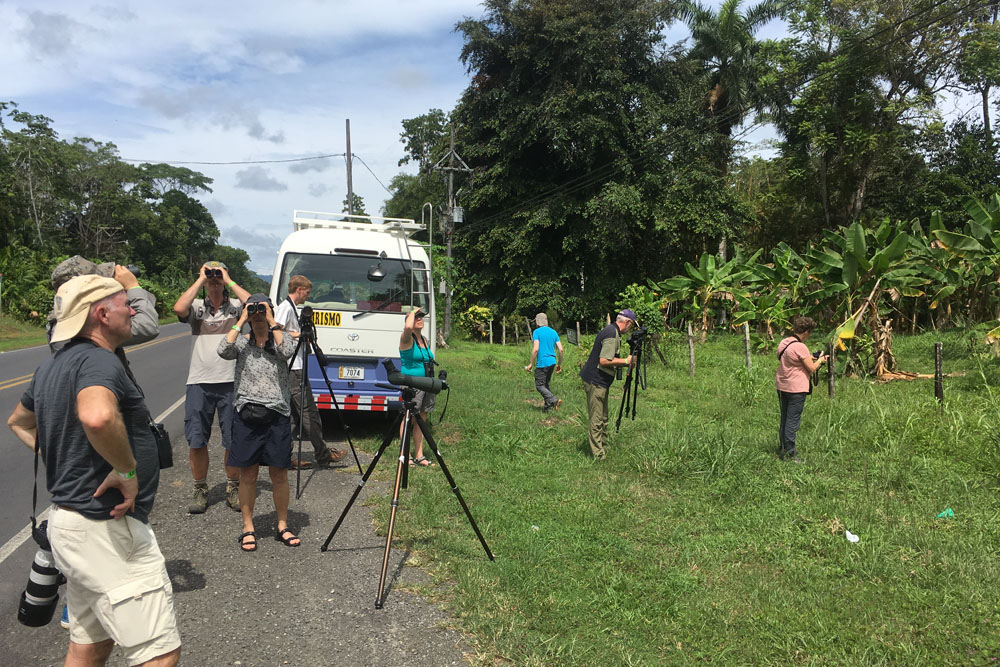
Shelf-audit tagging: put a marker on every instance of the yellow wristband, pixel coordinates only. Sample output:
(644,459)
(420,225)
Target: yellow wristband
(230,283)
(235,328)
(126,475)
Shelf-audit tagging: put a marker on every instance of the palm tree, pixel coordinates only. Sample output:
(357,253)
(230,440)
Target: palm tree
(725,44)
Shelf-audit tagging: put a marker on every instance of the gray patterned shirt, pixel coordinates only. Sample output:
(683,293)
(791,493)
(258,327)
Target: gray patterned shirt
(261,377)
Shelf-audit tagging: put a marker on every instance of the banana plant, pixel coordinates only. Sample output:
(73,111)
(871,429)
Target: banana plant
(708,282)
(976,254)
(769,310)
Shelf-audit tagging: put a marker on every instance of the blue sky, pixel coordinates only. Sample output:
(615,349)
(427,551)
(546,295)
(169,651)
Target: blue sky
(249,81)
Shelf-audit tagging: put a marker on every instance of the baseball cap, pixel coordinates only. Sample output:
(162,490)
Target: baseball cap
(542,320)
(73,302)
(216,265)
(78,266)
(630,314)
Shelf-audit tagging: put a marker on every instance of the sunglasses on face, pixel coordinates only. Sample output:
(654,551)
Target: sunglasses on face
(213,273)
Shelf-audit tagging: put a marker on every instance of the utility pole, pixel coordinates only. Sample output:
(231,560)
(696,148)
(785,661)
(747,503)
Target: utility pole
(452,215)
(350,186)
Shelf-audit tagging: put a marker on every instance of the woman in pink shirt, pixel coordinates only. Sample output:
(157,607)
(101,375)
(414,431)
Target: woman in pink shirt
(795,366)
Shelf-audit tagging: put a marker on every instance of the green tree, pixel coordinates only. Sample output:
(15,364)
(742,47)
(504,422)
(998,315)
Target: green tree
(588,147)
(871,72)
(357,207)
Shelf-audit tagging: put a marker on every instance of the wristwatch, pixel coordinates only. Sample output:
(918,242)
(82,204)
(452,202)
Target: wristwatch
(276,327)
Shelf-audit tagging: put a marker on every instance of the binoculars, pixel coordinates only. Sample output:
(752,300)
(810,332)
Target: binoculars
(259,307)
(213,273)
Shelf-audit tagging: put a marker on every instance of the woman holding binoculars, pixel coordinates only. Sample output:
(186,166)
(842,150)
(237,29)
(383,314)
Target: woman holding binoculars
(416,358)
(262,431)
(796,365)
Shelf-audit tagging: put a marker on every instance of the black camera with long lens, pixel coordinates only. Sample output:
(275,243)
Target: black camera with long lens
(41,595)
(213,273)
(638,337)
(817,354)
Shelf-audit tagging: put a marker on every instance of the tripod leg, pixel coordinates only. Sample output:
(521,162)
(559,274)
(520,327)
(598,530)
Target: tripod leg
(625,400)
(390,436)
(336,405)
(302,418)
(401,467)
(451,480)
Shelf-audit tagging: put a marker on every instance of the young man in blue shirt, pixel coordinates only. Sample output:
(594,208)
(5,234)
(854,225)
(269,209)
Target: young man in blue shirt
(544,347)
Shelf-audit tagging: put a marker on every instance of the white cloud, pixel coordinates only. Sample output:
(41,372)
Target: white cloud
(258,178)
(190,81)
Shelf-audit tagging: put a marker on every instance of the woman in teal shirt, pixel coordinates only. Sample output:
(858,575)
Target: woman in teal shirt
(414,352)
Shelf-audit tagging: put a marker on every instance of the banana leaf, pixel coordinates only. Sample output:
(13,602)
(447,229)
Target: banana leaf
(960,244)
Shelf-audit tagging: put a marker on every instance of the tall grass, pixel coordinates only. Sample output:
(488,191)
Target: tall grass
(693,541)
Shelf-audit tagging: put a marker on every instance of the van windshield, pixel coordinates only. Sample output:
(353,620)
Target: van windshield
(341,283)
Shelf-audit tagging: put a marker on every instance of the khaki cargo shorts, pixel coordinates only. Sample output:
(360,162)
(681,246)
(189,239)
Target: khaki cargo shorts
(117,585)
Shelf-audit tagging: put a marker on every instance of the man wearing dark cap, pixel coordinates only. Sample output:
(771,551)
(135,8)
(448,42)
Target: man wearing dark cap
(145,321)
(210,378)
(548,351)
(598,374)
(102,469)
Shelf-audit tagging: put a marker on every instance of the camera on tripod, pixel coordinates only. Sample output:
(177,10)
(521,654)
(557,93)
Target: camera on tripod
(638,337)
(41,595)
(306,320)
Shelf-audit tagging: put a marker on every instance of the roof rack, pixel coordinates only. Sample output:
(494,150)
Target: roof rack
(317,220)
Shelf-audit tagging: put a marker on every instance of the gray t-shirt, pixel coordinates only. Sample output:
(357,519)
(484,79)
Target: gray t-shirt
(261,374)
(73,468)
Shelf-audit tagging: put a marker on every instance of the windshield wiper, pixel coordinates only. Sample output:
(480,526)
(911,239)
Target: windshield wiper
(382,305)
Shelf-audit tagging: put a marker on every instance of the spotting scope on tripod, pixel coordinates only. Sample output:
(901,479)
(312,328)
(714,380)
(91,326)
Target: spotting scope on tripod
(636,375)
(407,385)
(307,342)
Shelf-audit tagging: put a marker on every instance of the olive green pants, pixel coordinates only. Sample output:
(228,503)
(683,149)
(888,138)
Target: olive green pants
(597,413)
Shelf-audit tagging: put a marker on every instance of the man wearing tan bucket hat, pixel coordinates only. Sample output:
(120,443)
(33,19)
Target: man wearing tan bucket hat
(102,470)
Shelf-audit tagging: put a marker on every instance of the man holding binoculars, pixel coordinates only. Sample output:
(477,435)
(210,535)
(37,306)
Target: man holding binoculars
(210,378)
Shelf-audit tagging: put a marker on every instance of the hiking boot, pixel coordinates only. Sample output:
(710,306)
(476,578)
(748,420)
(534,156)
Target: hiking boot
(233,495)
(199,502)
(557,404)
(332,456)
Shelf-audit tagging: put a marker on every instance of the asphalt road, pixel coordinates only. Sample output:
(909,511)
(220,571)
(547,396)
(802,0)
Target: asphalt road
(276,606)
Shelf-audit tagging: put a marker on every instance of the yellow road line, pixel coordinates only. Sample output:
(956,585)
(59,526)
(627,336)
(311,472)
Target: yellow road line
(25,379)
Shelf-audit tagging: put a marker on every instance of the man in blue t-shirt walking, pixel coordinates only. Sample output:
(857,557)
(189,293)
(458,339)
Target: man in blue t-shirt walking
(547,348)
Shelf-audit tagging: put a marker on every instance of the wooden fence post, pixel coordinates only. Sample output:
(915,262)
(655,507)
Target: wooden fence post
(578,343)
(503,331)
(491,332)
(690,350)
(938,374)
(829,368)
(746,341)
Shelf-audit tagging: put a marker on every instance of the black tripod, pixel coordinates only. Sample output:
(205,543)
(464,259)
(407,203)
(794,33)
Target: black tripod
(631,396)
(307,337)
(402,466)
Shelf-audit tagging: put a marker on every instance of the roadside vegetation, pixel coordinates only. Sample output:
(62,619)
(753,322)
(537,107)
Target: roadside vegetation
(15,334)
(693,541)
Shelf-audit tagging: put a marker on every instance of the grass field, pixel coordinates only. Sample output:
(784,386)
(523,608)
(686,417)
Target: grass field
(693,541)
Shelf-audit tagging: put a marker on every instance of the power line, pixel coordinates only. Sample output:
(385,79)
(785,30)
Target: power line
(610,169)
(294,159)
(373,174)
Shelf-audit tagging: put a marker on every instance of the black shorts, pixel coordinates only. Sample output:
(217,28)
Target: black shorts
(263,444)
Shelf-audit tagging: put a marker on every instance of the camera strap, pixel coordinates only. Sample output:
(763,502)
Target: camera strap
(423,358)
(34,486)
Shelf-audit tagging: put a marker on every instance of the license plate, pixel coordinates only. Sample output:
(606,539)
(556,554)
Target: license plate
(352,373)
